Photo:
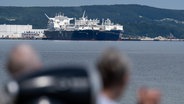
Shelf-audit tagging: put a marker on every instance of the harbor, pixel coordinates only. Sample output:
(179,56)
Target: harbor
(26,32)
(61,27)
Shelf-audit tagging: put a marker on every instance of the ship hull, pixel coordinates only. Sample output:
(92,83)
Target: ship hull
(83,35)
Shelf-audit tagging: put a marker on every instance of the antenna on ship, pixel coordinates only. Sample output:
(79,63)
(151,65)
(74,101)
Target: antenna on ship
(83,16)
(47,16)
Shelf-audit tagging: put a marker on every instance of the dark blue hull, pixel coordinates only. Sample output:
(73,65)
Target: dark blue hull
(83,35)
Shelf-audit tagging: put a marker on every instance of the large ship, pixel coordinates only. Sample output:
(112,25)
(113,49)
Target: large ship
(62,27)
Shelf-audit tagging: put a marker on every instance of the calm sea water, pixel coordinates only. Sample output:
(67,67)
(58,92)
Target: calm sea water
(155,64)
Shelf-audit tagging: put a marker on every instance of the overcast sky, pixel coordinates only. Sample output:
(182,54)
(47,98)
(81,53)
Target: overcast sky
(170,4)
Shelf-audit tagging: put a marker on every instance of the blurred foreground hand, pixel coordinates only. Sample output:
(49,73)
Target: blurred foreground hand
(148,96)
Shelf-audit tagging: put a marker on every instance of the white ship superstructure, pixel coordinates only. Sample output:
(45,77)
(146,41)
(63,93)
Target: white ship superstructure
(61,22)
(108,25)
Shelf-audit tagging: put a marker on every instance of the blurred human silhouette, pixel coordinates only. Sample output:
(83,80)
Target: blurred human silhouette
(114,71)
(23,59)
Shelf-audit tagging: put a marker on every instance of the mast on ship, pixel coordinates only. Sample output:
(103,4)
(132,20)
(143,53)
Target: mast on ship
(83,16)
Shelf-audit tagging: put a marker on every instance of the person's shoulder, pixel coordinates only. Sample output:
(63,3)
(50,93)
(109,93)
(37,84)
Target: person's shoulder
(4,98)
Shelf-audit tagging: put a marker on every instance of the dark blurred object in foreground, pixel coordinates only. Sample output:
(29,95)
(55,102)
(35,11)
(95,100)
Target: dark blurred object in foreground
(60,85)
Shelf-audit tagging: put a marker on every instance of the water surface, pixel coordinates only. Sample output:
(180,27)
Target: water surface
(155,64)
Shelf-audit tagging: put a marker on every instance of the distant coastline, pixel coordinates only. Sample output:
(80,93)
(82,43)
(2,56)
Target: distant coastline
(132,39)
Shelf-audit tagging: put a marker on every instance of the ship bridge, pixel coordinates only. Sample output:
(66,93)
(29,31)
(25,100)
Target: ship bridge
(59,22)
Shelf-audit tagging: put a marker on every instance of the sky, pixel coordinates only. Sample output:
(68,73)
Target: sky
(168,4)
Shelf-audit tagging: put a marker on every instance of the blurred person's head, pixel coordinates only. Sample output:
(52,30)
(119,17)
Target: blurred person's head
(154,96)
(113,68)
(148,96)
(22,59)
